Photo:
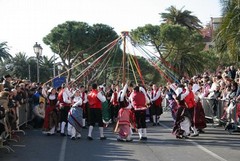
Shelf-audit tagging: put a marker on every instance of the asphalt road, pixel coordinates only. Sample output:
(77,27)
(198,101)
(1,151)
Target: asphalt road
(215,144)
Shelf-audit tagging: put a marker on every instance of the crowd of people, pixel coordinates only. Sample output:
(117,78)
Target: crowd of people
(68,109)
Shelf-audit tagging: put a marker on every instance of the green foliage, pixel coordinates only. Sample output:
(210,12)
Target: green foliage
(228,36)
(183,18)
(73,41)
(148,35)
(180,46)
(23,67)
(4,54)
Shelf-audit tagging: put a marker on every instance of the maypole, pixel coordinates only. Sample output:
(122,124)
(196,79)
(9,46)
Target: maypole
(124,34)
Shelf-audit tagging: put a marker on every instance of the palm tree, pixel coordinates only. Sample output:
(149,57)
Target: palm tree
(228,37)
(183,18)
(4,54)
(46,68)
(20,62)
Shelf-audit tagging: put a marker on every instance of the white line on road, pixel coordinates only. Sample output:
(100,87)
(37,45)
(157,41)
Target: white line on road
(63,150)
(20,146)
(199,146)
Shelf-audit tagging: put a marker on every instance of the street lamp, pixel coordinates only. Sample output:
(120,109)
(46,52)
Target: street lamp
(38,51)
(60,67)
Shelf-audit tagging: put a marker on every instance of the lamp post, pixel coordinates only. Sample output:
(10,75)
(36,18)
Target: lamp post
(59,66)
(38,51)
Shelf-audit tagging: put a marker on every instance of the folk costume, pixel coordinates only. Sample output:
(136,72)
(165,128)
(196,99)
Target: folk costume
(64,98)
(182,124)
(106,114)
(75,116)
(115,105)
(139,101)
(190,102)
(125,117)
(156,105)
(95,99)
(51,113)
(199,115)
(172,102)
(83,95)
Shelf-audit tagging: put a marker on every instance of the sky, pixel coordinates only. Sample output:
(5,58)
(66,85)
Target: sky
(24,22)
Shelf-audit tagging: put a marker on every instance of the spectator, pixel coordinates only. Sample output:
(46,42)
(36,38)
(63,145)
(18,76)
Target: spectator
(232,72)
(7,82)
(39,114)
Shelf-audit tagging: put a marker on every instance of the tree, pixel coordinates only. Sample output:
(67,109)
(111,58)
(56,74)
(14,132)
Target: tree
(46,67)
(149,35)
(177,44)
(4,54)
(184,49)
(227,38)
(74,41)
(20,67)
(183,18)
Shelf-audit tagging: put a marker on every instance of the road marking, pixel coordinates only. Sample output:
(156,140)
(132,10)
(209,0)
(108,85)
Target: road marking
(63,150)
(20,146)
(199,146)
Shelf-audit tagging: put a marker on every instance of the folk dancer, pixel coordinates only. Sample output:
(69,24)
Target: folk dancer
(156,105)
(83,95)
(51,113)
(125,116)
(199,115)
(64,98)
(172,102)
(139,101)
(109,94)
(115,104)
(95,99)
(75,116)
(182,124)
(190,102)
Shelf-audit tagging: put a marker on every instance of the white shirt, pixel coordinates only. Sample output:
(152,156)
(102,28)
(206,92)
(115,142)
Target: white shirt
(67,96)
(101,97)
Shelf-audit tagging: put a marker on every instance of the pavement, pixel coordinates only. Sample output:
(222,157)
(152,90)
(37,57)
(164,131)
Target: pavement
(215,144)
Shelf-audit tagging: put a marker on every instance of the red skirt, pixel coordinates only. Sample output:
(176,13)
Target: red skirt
(48,110)
(199,116)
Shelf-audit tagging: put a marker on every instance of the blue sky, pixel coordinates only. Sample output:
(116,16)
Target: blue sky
(24,22)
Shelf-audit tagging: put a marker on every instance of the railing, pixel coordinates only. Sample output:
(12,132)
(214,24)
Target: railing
(214,109)
(24,115)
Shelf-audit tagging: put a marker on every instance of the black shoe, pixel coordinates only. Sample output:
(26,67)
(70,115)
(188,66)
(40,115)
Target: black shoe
(84,127)
(179,137)
(89,138)
(185,137)
(73,138)
(201,131)
(103,138)
(144,138)
(120,140)
(158,124)
(50,134)
(62,134)
(154,124)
